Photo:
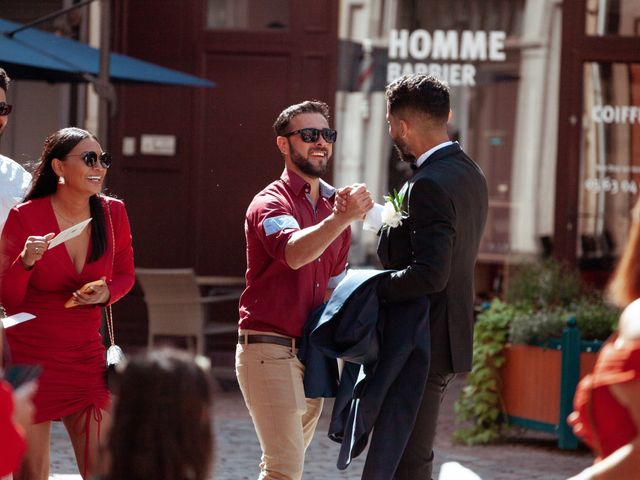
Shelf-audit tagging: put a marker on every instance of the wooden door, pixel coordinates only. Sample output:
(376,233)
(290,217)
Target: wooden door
(187,209)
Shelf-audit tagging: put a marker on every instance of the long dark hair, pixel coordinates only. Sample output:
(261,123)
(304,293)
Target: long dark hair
(45,182)
(161,425)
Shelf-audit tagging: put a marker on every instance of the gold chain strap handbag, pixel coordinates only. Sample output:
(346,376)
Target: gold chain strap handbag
(115,356)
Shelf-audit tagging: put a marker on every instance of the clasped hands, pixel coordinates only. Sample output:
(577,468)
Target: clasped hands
(353,201)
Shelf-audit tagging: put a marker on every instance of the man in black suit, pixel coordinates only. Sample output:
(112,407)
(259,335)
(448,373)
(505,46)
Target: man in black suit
(434,249)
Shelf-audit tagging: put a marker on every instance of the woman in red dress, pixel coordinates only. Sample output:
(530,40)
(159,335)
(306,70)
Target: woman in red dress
(37,279)
(607,401)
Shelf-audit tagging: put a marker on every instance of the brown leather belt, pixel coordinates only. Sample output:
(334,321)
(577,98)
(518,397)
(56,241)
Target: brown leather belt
(284,341)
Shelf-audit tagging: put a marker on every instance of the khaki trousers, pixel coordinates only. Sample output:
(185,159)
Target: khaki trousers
(270,378)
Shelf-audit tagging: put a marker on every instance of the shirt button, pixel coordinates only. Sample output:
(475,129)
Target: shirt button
(319,260)
(317,285)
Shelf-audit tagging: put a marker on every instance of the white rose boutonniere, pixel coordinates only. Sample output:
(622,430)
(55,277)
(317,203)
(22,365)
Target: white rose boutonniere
(392,214)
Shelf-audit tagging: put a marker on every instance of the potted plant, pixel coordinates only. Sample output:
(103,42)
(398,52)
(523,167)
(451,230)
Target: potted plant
(529,353)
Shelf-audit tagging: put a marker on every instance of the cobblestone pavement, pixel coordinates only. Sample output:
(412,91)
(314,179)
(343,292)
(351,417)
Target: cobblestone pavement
(527,455)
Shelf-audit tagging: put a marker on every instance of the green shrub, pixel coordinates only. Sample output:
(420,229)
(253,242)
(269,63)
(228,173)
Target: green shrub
(542,285)
(479,403)
(596,319)
(540,298)
(533,327)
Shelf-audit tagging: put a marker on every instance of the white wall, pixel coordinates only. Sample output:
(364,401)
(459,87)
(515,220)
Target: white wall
(535,143)
(362,151)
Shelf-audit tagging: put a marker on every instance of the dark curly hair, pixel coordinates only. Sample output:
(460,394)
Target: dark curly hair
(45,182)
(281,125)
(161,425)
(421,93)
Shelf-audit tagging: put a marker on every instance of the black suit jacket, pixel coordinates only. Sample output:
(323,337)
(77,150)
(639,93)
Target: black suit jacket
(435,249)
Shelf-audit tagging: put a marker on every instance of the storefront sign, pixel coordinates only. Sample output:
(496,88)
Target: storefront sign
(615,114)
(606,183)
(443,47)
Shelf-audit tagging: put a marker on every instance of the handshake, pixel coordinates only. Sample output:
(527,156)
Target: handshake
(353,202)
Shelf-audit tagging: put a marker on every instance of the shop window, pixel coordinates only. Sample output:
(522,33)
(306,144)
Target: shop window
(504,105)
(613,17)
(502,63)
(248,14)
(610,160)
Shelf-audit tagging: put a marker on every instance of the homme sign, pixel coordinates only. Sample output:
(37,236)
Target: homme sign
(451,53)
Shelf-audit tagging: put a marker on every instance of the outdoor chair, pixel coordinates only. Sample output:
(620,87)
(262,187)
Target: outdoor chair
(177,308)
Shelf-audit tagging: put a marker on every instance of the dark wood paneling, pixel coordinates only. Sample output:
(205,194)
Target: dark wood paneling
(568,156)
(314,17)
(158,31)
(240,157)
(312,76)
(188,210)
(577,48)
(157,189)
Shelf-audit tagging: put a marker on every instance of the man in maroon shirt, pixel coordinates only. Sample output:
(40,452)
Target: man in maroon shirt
(297,250)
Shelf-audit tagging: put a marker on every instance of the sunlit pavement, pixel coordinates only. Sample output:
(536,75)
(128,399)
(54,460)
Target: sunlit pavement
(530,455)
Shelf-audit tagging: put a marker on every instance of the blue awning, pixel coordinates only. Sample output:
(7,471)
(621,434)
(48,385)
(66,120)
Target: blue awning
(33,54)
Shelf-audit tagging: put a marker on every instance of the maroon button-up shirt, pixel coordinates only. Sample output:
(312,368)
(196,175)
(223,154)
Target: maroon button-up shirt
(278,298)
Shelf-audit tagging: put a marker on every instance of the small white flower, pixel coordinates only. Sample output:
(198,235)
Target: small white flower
(392,213)
(390,216)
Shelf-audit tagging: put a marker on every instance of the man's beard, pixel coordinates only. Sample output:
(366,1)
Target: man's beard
(305,165)
(404,155)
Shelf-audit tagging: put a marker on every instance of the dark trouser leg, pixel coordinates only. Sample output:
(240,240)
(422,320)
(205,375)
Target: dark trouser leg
(417,459)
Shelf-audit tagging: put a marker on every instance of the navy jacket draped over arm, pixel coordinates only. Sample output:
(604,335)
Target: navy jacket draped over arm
(386,351)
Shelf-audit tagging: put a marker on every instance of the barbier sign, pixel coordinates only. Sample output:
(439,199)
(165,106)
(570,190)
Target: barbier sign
(450,53)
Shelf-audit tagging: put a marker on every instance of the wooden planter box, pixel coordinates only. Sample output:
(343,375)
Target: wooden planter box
(538,383)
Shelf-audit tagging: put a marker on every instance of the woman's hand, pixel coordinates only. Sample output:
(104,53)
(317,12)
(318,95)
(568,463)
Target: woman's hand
(96,293)
(34,248)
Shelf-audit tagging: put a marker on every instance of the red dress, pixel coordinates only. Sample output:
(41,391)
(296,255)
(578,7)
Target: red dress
(65,342)
(607,424)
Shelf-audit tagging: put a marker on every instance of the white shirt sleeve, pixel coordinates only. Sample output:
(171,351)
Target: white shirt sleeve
(14,184)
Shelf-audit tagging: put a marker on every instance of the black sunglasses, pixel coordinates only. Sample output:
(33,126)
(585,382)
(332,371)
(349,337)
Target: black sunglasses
(311,135)
(5,109)
(91,158)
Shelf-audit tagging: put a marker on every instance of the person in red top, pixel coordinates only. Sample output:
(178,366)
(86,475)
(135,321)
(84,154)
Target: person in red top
(39,279)
(297,250)
(607,401)
(16,412)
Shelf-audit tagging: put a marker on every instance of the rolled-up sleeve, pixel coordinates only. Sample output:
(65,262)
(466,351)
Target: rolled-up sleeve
(273,223)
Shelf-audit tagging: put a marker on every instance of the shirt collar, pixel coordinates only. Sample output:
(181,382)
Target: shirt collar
(326,190)
(299,184)
(422,158)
